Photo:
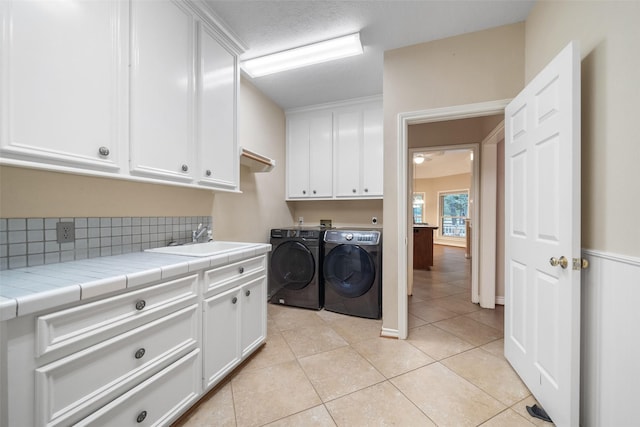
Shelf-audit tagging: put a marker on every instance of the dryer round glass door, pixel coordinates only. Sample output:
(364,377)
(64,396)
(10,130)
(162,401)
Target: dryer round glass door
(349,271)
(292,265)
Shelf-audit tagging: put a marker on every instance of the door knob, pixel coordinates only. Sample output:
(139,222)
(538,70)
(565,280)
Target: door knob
(562,262)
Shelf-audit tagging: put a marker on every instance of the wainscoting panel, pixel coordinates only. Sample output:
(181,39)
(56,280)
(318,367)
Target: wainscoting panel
(610,353)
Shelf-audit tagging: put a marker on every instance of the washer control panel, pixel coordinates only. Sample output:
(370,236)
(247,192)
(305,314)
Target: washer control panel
(353,237)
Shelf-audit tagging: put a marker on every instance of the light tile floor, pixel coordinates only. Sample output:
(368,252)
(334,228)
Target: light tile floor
(327,369)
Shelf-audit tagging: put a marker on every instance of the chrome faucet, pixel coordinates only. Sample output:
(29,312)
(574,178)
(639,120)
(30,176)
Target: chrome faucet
(197,234)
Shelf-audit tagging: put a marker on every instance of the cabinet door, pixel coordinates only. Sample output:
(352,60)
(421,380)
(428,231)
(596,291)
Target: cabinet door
(321,155)
(254,315)
(297,157)
(63,82)
(162,88)
(348,133)
(372,152)
(218,151)
(221,335)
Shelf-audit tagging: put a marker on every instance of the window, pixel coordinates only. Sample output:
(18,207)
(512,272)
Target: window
(418,208)
(454,210)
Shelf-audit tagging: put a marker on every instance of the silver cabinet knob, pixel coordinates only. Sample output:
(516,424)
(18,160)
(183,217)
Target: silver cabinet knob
(208,172)
(354,190)
(140,353)
(366,190)
(141,416)
(304,191)
(241,270)
(103,151)
(247,293)
(185,168)
(234,300)
(140,304)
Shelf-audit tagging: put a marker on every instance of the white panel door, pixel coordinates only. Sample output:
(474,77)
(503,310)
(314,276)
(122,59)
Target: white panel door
(542,202)
(218,159)
(63,82)
(162,90)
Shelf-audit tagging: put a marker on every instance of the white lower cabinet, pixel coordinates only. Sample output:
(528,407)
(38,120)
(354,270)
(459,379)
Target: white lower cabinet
(141,357)
(234,317)
(157,401)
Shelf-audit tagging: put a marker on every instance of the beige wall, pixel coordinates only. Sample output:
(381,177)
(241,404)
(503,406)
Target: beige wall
(476,67)
(431,187)
(244,217)
(342,213)
(261,206)
(609,36)
(452,132)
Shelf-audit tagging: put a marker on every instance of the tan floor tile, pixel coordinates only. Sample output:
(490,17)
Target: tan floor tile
(508,418)
(339,372)
(378,405)
(355,329)
(457,305)
(259,395)
(492,374)
(446,398)
(274,351)
(287,317)
(521,408)
(414,321)
(314,417)
(312,340)
(329,316)
(217,410)
(490,317)
(469,330)
(437,343)
(495,347)
(392,357)
(429,312)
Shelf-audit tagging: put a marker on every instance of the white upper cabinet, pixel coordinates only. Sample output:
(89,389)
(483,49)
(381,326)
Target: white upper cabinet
(141,90)
(343,158)
(63,81)
(162,90)
(309,155)
(218,148)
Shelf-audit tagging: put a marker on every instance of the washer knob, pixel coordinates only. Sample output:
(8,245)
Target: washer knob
(348,237)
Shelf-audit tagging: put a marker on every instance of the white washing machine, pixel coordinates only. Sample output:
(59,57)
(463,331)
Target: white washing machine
(352,269)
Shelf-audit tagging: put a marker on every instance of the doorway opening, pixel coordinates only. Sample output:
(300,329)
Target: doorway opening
(405,217)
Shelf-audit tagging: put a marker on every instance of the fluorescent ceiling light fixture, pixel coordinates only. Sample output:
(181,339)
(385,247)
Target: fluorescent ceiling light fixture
(328,50)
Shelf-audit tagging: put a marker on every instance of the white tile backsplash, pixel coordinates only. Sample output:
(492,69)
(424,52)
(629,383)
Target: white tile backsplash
(26,242)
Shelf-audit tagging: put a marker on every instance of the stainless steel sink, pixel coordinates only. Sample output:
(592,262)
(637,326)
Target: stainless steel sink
(203,249)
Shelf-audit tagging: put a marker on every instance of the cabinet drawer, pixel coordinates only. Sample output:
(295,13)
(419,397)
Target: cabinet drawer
(218,278)
(86,380)
(82,326)
(157,401)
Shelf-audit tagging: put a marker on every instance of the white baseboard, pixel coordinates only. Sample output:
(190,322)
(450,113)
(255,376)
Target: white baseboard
(389,333)
(500,300)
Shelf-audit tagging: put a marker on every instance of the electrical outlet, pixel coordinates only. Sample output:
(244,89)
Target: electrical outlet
(300,220)
(65,232)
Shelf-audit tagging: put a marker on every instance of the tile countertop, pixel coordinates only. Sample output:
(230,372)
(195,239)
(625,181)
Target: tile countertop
(28,290)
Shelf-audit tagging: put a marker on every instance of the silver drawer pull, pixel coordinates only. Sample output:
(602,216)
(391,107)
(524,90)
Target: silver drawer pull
(140,353)
(208,173)
(241,270)
(234,300)
(141,416)
(247,293)
(103,151)
(185,168)
(140,304)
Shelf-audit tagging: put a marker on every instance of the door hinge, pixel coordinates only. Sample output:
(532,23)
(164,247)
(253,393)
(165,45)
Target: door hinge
(580,264)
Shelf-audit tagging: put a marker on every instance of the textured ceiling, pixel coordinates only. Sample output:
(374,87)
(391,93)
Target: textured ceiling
(268,26)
